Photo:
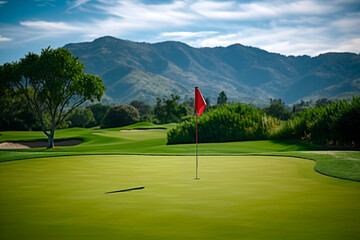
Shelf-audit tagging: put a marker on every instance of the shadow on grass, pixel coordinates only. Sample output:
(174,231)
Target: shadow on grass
(126,190)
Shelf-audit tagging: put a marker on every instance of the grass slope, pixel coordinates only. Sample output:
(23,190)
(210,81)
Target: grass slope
(238,197)
(111,141)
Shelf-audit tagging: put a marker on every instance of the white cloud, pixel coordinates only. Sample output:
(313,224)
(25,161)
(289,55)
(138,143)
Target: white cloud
(44,3)
(50,26)
(292,27)
(77,3)
(349,23)
(134,12)
(185,35)
(231,10)
(284,40)
(3,2)
(4,39)
(350,45)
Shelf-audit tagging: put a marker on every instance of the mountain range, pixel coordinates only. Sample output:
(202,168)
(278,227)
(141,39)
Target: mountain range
(145,71)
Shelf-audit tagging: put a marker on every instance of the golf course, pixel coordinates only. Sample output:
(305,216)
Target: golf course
(127,183)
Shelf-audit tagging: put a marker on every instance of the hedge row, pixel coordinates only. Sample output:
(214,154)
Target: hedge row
(335,124)
(227,123)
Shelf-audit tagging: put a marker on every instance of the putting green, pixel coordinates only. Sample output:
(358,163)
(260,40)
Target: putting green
(237,198)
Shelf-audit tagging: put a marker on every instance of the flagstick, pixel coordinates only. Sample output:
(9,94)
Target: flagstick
(197,162)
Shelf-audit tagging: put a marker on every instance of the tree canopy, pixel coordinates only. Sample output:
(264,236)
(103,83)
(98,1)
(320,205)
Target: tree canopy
(120,115)
(169,110)
(53,83)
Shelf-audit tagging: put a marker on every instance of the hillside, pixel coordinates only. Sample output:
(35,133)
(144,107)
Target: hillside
(146,71)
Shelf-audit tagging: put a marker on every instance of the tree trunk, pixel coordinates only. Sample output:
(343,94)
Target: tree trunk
(51,140)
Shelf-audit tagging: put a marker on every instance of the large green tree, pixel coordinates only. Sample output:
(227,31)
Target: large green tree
(81,117)
(142,107)
(120,115)
(14,113)
(170,110)
(99,112)
(54,84)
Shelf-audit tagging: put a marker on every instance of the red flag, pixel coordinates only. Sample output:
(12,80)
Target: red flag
(200,103)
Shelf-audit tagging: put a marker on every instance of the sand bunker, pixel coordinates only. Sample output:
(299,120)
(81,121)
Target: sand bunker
(37,144)
(141,129)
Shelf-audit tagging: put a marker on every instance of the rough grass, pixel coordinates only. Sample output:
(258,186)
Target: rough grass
(238,197)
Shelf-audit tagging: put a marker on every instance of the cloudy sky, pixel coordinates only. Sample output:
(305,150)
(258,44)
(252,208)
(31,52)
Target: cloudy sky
(289,27)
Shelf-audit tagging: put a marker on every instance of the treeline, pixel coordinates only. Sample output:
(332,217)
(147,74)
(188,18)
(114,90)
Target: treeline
(16,115)
(322,122)
(334,124)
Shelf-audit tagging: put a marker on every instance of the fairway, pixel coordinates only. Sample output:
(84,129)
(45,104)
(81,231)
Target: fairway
(238,197)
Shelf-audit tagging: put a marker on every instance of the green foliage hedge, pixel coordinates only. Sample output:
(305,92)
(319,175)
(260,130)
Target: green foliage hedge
(336,124)
(226,123)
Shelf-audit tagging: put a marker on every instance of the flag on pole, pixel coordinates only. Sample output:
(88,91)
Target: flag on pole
(200,103)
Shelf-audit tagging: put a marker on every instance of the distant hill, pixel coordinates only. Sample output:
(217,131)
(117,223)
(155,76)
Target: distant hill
(146,71)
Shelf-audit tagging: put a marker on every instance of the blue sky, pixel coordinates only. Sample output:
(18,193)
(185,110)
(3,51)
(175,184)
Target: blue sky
(289,27)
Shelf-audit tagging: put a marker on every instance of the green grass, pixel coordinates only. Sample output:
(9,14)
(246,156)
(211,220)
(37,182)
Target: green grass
(238,197)
(112,141)
(55,194)
(342,164)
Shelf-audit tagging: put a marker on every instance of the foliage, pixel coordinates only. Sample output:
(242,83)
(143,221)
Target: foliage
(277,109)
(170,110)
(81,117)
(99,112)
(54,84)
(334,124)
(142,107)
(323,102)
(120,115)
(15,113)
(190,104)
(222,98)
(226,123)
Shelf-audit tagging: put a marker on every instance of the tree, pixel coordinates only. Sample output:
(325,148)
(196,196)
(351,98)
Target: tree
(277,109)
(322,102)
(99,112)
(81,117)
(169,110)
(54,84)
(120,115)
(142,107)
(222,98)
(14,113)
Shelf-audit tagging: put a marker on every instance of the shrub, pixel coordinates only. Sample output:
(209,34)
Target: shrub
(226,123)
(334,124)
(120,115)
